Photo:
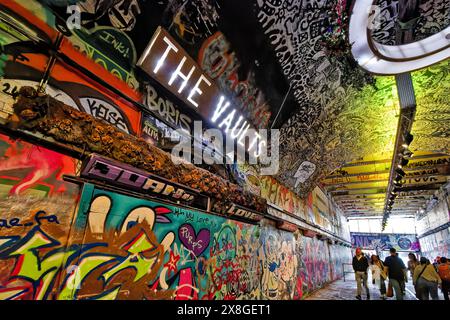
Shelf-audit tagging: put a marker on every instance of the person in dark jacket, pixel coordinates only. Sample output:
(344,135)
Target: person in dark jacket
(396,270)
(360,266)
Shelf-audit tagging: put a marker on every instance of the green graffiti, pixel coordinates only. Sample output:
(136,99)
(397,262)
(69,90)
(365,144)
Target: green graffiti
(73,282)
(136,260)
(33,267)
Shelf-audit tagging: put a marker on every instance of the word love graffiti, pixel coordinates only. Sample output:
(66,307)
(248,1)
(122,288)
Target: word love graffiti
(38,218)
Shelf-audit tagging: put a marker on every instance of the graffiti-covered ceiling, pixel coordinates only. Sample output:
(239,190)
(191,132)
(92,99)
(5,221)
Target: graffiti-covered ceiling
(341,114)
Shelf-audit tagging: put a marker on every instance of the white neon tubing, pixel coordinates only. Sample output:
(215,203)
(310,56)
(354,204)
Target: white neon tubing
(390,60)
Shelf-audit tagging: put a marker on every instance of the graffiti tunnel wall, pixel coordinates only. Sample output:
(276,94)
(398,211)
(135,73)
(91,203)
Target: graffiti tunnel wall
(121,247)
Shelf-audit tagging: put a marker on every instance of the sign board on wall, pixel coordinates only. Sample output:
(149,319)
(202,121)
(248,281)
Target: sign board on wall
(380,241)
(287,226)
(245,213)
(236,211)
(167,62)
(125,176)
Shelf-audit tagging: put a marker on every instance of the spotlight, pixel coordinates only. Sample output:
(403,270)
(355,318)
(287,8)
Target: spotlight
(408,153)
(398,183)
(403,162)
(400,172)
(407,140)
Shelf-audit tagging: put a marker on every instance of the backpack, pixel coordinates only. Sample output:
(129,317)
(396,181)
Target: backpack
(444,272)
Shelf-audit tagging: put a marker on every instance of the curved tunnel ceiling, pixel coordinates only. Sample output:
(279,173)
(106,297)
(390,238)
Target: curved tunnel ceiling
(334,123)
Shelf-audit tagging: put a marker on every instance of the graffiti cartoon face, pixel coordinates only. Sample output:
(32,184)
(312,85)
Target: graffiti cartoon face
(123,14)
(288,262)
(214,55)
(304,171)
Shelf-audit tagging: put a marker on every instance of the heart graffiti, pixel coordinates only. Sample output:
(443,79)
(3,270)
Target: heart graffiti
(197,243)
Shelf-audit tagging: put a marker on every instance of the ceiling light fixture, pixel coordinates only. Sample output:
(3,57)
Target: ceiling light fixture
(407,153)
(400,172)
(391,59)
(404,162)
(407,140)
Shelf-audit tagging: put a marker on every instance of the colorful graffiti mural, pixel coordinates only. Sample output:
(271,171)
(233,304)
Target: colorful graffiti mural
(122,247)
(315,270)
(34,202)
(27,168)
(436,244)
(315,209)
(378,241)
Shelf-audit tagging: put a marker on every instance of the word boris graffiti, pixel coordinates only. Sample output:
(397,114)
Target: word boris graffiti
(121,247)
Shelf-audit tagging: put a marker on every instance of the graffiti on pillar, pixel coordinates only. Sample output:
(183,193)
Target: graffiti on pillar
(279,265)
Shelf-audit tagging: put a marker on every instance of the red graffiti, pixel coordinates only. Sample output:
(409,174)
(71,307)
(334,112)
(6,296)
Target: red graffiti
(43,166)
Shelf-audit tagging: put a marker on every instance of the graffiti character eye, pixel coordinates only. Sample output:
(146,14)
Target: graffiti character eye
(137,216)
(131,224)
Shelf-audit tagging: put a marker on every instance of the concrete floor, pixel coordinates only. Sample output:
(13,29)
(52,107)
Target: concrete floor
(346,290)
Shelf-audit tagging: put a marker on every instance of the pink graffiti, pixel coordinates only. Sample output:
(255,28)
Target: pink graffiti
(41,163)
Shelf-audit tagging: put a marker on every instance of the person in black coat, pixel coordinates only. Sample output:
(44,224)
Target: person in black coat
(360,266)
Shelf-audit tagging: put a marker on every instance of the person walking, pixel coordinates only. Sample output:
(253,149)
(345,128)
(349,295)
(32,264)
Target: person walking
(444,274)
(412,263)
(378,274)
(426,280)
(360,266)
(436,263)
(396,271)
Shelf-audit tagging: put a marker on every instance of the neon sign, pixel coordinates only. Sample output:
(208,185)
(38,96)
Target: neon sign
(168,63)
